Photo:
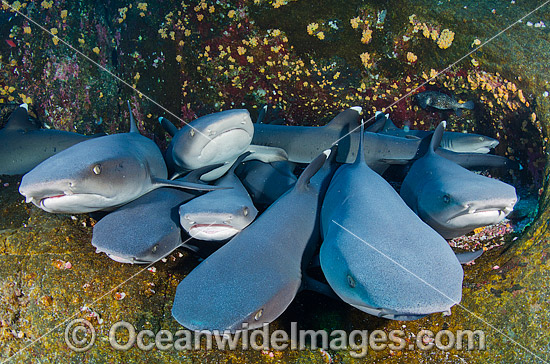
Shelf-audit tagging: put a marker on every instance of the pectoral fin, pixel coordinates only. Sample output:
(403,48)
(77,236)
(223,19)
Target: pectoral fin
(161,182)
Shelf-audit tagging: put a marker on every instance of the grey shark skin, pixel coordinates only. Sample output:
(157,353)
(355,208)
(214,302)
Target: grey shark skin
(266,182)
(453,141)
(451,199)
(99,174)
(215,138)
(378,256)
(23,146)
(305,143)
(219,215)
(144,230)
(254,277)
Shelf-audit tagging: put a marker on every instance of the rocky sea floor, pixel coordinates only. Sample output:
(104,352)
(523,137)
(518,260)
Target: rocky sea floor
(50,273)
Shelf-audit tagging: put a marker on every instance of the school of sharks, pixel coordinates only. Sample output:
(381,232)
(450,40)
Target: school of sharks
(276,209)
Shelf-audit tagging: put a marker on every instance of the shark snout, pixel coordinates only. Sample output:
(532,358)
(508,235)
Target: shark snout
(34,192)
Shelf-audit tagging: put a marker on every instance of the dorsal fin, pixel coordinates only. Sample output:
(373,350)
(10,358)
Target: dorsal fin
(133,126)
(360,152)
(437,136)
(347,117)
(378,124)
(262,115)
(389,125)
(19,119)
(311,169)
(238,162)
(168,126)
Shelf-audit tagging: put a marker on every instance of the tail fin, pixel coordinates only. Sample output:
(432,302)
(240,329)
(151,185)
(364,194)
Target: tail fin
(133,126)
(468,105)
(437,136)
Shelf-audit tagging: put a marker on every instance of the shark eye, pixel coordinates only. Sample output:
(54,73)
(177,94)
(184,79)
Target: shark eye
(155,248)
(192,132)
(97,169)
(258,314)
(351,281)
(245,211)
(446,198)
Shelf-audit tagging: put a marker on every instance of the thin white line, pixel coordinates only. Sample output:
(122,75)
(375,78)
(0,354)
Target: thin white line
(88,305)
(443,294)
(106,70)
(448,67)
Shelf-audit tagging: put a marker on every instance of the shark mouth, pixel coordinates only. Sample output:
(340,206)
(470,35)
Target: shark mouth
(213,232)
(132,260)
(480,216)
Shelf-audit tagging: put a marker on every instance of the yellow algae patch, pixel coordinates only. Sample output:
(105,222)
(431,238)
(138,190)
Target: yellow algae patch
(445,39)
(47,4)
(355,22)
(365,59)
(411,57)
(366,36)
(311,28)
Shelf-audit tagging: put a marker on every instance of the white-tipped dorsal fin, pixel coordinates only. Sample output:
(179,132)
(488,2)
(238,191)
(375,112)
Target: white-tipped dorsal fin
(312,169)
(168,126)
(348,117)
(389,125)
(437,136)
(360,158)
(133,126)
(19,120)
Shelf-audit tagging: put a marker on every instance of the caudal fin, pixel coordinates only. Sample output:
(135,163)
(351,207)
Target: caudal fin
(468,105)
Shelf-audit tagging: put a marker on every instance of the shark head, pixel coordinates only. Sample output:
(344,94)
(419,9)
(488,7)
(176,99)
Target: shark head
(468,143)
(246,310)
(86,177)
(212,139)
(139,250)
(458,206)
(215,223)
